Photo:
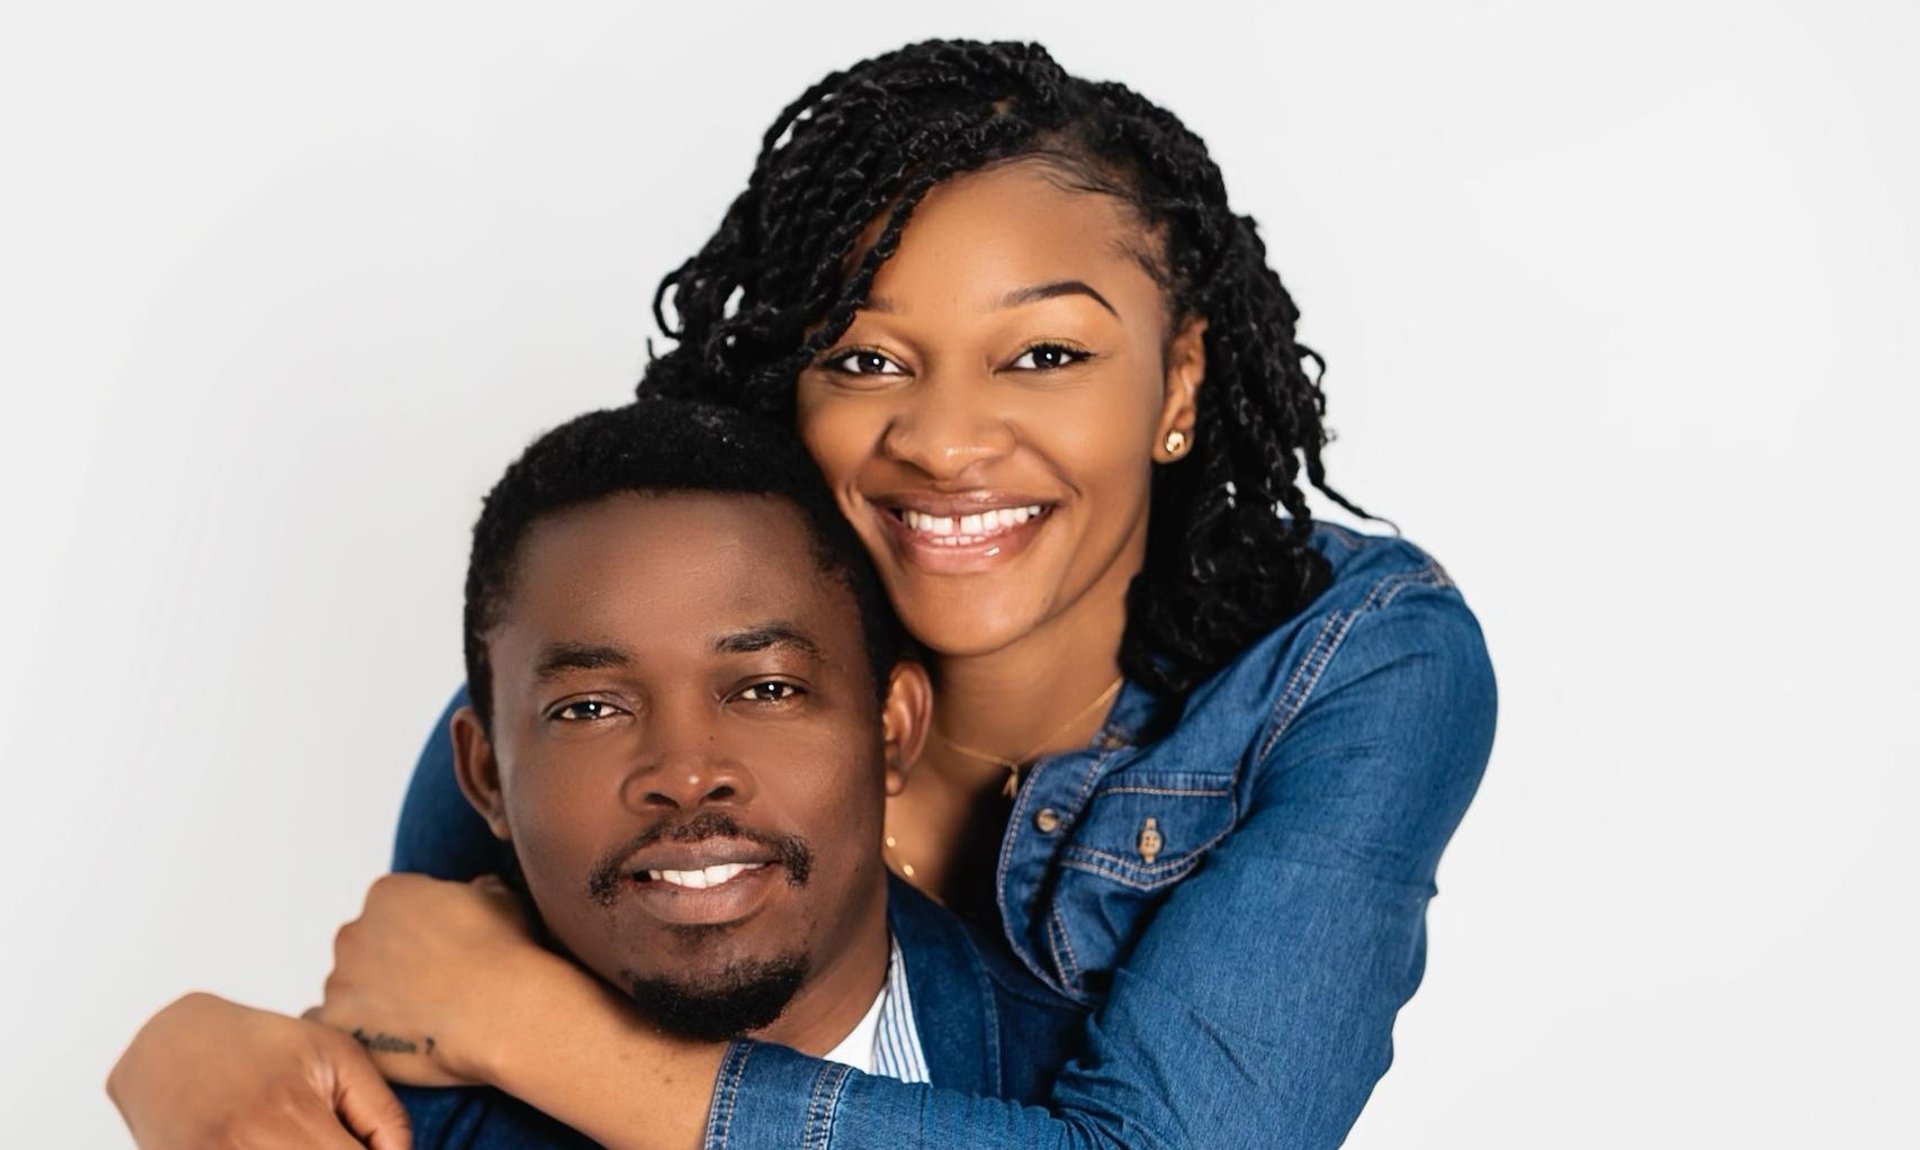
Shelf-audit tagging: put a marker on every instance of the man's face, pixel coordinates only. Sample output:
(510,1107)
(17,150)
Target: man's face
(688,753)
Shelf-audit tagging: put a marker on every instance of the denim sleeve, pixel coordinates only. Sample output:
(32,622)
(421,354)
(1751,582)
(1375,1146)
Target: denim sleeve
(1258,1007)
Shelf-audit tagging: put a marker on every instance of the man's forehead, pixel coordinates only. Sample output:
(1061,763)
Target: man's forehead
(728,549)
(714,573)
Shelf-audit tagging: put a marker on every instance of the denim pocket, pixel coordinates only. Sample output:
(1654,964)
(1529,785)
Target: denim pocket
(1136,837)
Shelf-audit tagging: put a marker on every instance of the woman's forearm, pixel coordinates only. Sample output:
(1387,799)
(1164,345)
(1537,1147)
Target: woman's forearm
(586,1059)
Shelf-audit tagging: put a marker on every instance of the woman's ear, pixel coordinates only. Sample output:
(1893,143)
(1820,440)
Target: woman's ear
(478,771)
(1186,370)
(905,718)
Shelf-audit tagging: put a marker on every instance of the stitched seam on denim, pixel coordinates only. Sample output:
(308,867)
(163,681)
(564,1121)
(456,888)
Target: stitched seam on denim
(1094,854)
(1017,821)
(1292,688)
(727,1097)
(1326,644)
(1017,824)
(821,1106)
(1132,879)
(1172,792)
(1070,964)
(1095,770)
(1428,576)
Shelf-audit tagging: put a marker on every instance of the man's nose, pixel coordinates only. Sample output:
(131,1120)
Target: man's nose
(948,423)
(687,767)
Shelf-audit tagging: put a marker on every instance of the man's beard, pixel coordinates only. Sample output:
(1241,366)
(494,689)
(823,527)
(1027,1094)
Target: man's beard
(747,995)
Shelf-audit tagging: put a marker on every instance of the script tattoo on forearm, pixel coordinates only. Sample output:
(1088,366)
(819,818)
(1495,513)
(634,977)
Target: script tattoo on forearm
(388,1043)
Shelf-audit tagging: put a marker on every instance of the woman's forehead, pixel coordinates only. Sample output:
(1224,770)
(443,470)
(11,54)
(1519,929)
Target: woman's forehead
(985,236)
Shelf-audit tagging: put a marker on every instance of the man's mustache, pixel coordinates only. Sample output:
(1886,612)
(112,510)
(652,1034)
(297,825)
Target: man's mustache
(603,882)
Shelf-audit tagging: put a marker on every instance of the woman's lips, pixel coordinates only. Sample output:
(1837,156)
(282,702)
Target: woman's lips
(964,537)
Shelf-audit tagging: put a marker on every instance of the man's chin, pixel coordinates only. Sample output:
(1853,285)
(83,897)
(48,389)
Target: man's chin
(744,996)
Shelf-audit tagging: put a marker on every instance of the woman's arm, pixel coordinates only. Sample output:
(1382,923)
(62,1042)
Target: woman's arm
(205,1073)
(1326,880)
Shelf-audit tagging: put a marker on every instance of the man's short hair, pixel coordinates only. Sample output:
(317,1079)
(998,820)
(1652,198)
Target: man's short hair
(661,446)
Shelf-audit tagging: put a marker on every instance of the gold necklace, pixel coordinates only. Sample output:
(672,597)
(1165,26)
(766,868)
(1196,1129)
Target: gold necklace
(1013,766)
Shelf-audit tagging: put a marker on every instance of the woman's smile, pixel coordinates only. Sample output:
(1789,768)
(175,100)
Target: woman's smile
(969,532)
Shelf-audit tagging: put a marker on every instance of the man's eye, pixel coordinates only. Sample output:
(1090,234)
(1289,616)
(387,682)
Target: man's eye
(772,691)
(584,711)
(1048,357)
(861,362)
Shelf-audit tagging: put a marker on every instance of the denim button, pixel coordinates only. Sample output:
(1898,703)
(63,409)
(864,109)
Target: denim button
(1151,841)
(1046,820)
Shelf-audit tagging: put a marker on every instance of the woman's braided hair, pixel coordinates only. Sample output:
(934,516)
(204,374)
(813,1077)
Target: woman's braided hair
(779,283)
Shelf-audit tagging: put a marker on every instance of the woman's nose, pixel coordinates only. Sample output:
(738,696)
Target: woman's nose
(946,425)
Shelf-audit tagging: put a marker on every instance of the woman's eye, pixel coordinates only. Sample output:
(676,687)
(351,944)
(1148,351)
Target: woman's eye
(772,691)
(862,362)
(1048,357)
(585,711)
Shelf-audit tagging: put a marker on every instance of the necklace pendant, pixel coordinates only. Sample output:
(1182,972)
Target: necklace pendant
(1013,783)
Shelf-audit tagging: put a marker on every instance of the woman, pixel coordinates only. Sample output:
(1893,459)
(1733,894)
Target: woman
(1195,759)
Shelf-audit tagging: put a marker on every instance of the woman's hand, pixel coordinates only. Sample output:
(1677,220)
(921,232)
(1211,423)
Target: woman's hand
(205,1073)
(444,984)
(437,978)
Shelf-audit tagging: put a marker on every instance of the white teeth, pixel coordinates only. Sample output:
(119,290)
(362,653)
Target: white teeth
(958,531)
(705,877)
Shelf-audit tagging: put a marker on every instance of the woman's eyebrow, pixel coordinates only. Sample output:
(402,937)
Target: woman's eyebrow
(766,636)
(1020,297)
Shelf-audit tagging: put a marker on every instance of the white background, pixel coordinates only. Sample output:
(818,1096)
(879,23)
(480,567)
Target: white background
(1619,301)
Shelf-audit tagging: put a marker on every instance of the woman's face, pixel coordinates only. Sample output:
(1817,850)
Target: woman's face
(990,421)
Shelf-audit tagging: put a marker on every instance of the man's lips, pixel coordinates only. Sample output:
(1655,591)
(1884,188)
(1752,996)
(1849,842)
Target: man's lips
(706,853)
(698,865)
(707,882)
(678,901)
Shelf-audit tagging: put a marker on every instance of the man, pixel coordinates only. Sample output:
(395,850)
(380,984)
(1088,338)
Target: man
(686,711)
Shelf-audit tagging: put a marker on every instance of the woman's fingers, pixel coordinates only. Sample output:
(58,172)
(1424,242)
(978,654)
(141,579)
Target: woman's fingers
(207,1073)
(369,1106)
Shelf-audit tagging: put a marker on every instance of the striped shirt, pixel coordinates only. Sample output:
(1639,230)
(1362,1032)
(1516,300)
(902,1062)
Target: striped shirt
(886,1041)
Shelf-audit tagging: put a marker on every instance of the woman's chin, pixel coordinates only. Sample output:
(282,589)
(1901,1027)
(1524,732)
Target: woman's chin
(960,632)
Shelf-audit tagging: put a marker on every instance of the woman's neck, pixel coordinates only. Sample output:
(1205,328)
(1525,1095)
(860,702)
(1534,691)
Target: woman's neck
(1049,692)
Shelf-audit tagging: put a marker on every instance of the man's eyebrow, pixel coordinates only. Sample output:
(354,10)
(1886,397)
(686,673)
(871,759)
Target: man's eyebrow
(1019,297)
(559,658)
(766,636)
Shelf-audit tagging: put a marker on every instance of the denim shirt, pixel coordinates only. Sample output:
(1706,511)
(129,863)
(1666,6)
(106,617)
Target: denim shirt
(985,1027)
(1235,882)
